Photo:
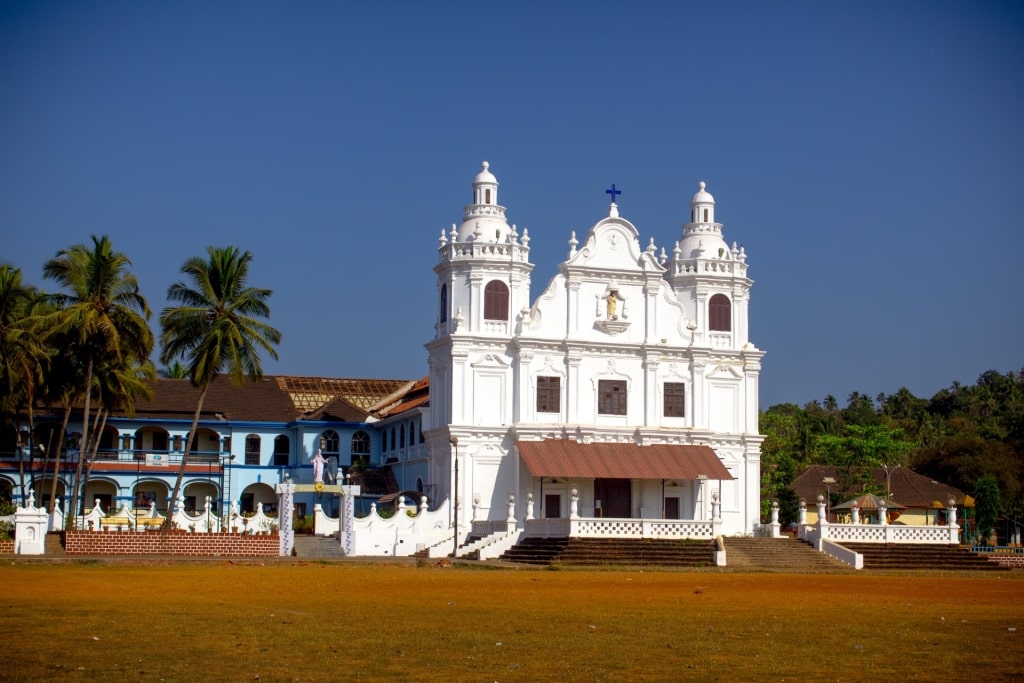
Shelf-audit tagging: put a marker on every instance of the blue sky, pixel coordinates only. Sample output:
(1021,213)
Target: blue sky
(869,156)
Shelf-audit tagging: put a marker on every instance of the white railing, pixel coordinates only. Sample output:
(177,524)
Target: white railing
(606,527)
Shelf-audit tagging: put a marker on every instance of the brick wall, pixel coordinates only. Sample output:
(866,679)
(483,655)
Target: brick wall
(173,543)
(1008,561)
(6,546)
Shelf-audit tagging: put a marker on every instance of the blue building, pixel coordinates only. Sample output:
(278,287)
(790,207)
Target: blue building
(249,438)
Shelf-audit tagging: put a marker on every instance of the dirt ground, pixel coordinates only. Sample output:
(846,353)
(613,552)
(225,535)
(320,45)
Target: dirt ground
(312,621)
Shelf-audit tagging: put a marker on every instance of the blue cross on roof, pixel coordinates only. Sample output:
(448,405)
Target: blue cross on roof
(613,192)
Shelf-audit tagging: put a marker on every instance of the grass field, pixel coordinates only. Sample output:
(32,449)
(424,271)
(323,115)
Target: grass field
(375,622)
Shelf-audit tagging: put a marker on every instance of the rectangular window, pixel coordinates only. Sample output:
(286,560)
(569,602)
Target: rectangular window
(675,399)
(548,400)
(611,397)
(252,450)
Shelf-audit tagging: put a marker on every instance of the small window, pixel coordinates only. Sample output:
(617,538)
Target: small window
(394,440)
(329,443)
(401,437)
(548,395)
(675,399)
(444,303)
(252,449)
(360,443)
(383,441)
(611,397)
(720,313)
(496,300)
(282,448)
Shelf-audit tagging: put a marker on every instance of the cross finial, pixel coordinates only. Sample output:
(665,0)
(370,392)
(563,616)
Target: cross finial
(613,192)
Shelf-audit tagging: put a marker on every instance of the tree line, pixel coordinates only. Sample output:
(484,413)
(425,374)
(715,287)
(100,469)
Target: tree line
(971,437)
(88,344)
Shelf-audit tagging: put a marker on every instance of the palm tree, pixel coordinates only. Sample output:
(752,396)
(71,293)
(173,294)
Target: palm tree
(118,388)
(174,371)
(218,327)
(23,355)
(102,311)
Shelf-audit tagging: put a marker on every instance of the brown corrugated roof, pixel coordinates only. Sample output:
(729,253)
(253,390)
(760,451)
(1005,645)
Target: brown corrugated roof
(568,458)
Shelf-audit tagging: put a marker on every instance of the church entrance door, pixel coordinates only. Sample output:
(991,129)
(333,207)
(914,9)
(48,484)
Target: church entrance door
(615,496)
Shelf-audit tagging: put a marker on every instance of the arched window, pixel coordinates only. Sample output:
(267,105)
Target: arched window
(330,443)
(720,313)
(282,449)
(394,441)
(496,300)
(401,436)
(360,443)
(444,303)
(252,449)
(383,441)
(412,433)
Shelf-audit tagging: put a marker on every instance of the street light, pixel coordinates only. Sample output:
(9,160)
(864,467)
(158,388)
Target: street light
(454,440)
(888,480)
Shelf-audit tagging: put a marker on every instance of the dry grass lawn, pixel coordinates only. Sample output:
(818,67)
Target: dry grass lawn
(322,622)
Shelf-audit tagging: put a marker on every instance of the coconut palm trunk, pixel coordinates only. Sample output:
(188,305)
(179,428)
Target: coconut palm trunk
(83,447)
(184,459)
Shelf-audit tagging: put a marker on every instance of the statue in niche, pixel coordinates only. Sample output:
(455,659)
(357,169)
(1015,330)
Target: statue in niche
(614,304)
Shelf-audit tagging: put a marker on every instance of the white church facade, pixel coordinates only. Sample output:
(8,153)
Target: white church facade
(621,401)
(628,390)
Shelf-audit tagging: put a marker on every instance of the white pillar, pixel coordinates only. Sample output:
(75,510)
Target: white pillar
(855,511)
(574,504)
(882,514)
(529,505)
(775,519)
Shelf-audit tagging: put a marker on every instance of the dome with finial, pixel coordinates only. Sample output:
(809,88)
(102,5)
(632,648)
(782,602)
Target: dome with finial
(484,219)
(702,236)
(702,196)
(485,176)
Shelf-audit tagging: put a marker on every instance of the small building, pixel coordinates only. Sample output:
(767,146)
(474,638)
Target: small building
(920,500)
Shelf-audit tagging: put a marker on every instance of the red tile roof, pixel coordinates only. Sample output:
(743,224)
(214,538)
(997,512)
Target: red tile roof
(568,458)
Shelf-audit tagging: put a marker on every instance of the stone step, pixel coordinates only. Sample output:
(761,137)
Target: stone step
(54,544)
(318,547)
(778,554)
(620,552)
(934,557)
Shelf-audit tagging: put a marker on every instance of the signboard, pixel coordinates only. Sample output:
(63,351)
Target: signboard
(156,460)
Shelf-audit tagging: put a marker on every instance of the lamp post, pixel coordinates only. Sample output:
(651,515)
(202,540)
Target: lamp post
(888,480)
(828,481)
(454,441)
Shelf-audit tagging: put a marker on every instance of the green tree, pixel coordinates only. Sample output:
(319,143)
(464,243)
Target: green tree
(175,370)
(987,506)
(103,312)
(861,448)
(23,356)
(219,327)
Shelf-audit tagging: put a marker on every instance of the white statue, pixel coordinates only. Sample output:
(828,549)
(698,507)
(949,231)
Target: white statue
(318,467)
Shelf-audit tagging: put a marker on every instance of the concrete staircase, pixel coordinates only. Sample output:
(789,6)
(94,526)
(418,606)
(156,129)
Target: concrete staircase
(318,547)
(778,555)
(932,557)
(622,552)
(53,545)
